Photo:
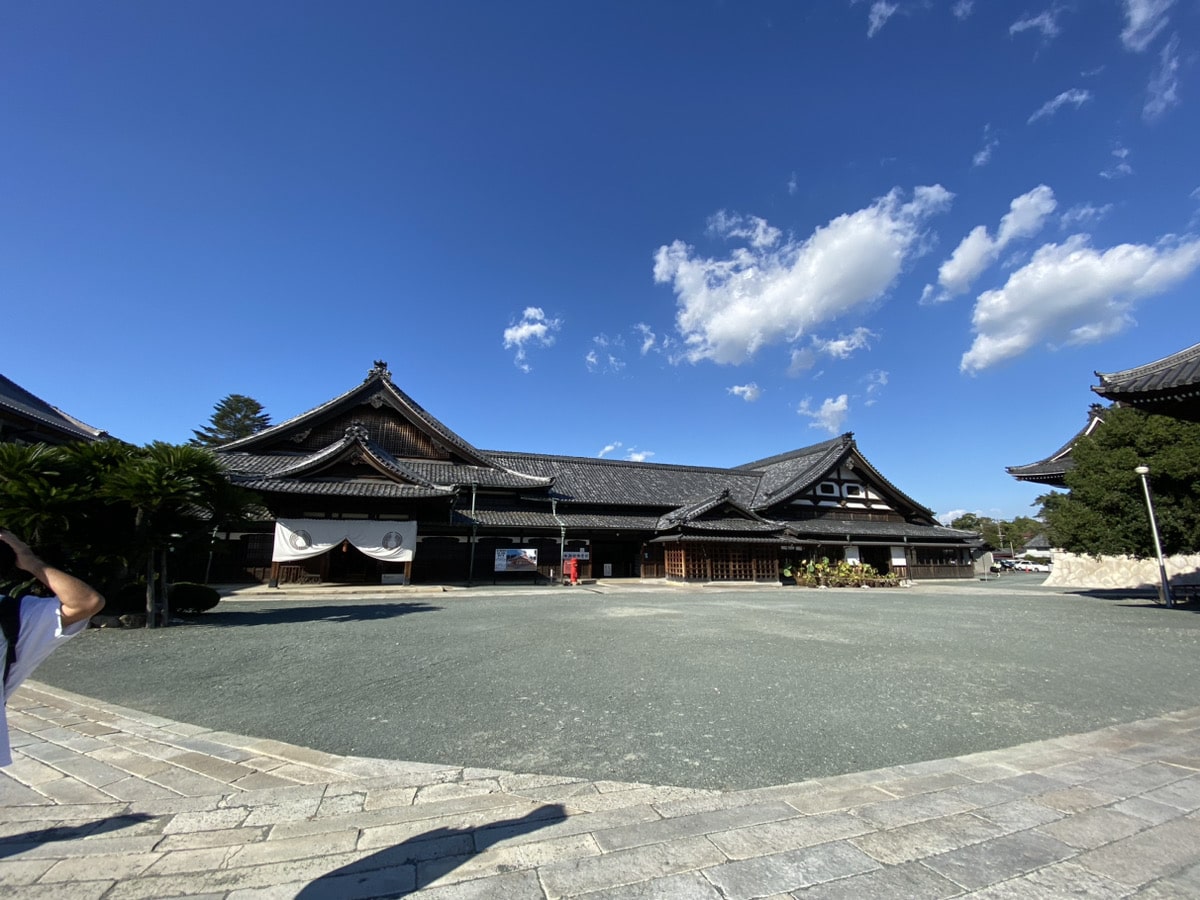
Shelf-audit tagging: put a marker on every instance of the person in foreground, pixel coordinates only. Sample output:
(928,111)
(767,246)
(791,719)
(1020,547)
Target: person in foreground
(34,627)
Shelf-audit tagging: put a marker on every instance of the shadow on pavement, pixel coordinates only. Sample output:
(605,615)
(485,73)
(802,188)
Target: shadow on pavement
(392,872)
(308,612)
(13,844)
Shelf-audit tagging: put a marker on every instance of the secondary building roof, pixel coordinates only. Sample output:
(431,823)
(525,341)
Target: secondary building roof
(1169,386)
(28,419)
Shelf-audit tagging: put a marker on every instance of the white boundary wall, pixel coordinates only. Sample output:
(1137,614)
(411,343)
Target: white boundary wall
(1073,570)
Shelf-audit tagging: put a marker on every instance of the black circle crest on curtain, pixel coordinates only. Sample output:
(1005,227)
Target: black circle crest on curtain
(300,540)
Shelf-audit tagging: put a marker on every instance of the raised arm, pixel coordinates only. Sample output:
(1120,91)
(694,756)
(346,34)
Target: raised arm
(78,599)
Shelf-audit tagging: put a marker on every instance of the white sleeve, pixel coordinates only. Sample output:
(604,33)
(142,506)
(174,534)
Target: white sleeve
(41,634)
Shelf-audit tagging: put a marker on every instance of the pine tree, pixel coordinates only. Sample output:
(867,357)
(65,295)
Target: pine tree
(236,416)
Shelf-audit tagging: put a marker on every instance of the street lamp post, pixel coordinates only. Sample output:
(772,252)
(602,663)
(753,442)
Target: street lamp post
(1143,471)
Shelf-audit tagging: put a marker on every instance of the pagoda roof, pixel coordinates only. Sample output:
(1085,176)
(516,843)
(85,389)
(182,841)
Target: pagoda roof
(1169,386)
(1053,469)
(34,420)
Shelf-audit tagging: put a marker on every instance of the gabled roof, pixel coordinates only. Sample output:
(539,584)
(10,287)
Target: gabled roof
(36,420)
(1169,386)
(788,474)
(1053,469)
(356,443)
(376,390)
(716,513)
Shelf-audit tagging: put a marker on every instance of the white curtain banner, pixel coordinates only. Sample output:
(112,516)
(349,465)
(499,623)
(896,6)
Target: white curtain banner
(306,538)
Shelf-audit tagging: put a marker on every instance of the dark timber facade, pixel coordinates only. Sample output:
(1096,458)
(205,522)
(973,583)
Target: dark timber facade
(374,454)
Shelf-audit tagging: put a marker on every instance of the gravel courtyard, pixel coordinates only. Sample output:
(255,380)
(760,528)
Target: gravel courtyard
(703,688)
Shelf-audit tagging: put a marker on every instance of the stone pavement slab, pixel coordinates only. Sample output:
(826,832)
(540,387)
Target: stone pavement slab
(106,802)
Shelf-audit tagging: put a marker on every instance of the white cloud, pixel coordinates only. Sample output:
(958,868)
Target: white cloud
(962,9)
(1121,167)
(605,361)
(1071,293)
(1077,96)
(876,381)
(844,344)
(1144,19)
(729,308)
(632,454)
(1083,214)
(1163,90)
(755,229)
(831,414)
(792,184)
(1025,217)
(533,329)
(947,517)
(983,156)
(880,12)
(1045,22)
(648,337)
(802,361)
(748,392)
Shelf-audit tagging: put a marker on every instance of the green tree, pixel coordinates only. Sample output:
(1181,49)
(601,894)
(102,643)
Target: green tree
(1104,512)
(175,493)
(236,416)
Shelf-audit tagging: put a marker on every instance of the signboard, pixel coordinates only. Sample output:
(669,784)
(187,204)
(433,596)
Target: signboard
(576,554)
(899,560)
(522,559)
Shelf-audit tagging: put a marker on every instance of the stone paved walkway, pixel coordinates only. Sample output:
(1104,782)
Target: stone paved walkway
(103,801)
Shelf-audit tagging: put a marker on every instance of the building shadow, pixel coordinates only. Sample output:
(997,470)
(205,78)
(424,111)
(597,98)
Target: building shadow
(399,870)
(13,844)
(310,612)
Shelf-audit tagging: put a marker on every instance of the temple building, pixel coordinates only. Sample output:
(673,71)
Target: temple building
(1168,387)
(1053,469)
(369,487)
(27,419)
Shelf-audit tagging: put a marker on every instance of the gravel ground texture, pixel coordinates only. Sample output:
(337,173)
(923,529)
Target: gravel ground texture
(705,688)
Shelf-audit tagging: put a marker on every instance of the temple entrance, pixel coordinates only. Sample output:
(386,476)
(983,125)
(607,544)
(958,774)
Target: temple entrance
(350,565)
(622,556)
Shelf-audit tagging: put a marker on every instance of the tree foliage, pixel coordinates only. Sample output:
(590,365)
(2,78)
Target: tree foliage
(1105,513)
(1000,534)
(107,510)
(235,416)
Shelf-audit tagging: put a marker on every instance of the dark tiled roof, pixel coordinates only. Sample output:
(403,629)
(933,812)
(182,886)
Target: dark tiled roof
(809,528)
(796,470)
(17,402)
(389,490)
(1053,469)
(719,539)
(519,517)
(377,382)
(1178,370)
(619,482)
(1168,386)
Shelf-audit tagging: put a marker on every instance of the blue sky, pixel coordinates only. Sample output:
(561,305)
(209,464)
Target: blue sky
(698,233)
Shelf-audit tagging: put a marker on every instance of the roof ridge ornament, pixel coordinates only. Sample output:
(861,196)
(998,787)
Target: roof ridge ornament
(357,431)
(379,370)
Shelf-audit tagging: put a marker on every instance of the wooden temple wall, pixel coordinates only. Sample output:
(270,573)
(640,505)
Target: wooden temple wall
(722,562)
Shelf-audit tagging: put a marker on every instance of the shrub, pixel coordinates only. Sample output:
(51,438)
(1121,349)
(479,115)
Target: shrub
(127,600)
(190,599)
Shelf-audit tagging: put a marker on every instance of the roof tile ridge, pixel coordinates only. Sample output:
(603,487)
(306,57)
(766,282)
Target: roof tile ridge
(1166,362)
(598,460)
